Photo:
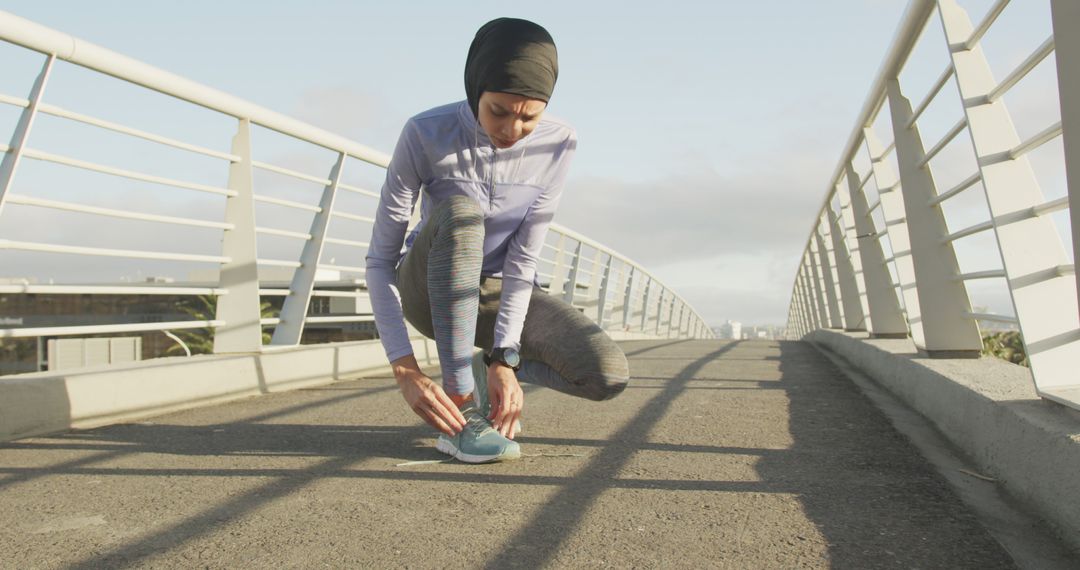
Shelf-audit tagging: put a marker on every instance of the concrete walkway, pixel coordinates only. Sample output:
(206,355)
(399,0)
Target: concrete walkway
(740,455)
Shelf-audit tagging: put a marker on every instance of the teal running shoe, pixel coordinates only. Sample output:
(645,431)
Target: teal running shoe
(478,442)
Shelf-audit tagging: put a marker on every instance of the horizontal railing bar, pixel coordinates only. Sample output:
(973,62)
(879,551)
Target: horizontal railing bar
(287,203)
(982,227)
(269,321)
(1021,70)
(104,329)
(84,209)
(542,274)
(1051,206)
(356,190)
(67,161)
(282,233)
(551,247)
(66,114)
(104,252)
(885,153)
(314,293)
(964,185)
(340,319)
(891,188)
(354,217)
(990,317)
(984,25)
(290,173)
(991,274)
(862,184)
(328,293)
(948,138)
(278,263)
(1042,137)
(349,268)
(108,290)
(350,242)
(896,222)
(15,101)
(930,95)
(118,128)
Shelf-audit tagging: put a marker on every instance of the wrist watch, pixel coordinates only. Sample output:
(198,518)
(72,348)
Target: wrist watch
(505,355)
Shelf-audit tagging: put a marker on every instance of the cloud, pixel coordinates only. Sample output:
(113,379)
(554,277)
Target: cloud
(698,212)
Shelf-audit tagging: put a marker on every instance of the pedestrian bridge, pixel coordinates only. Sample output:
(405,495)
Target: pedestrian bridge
(872,435)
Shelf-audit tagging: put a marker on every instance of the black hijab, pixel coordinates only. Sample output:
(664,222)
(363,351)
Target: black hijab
(511,56)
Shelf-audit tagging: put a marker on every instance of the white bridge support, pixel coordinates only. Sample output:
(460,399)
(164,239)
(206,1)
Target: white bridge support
(944,310)
(910,274)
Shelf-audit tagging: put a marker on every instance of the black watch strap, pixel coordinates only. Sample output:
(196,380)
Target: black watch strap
(498,355)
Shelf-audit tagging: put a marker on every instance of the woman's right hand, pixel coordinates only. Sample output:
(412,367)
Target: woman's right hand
(426,398)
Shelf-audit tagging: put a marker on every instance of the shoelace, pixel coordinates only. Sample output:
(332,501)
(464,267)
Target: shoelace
(477,421)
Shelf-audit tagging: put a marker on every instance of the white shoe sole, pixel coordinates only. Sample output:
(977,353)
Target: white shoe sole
(447,447)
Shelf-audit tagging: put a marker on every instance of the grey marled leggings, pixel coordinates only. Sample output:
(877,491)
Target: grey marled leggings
(444,296)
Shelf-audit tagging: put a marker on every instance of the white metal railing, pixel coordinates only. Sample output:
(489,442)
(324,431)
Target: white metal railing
(920,290)
(599,282)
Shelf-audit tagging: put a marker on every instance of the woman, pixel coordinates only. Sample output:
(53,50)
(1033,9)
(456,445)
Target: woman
(491,169)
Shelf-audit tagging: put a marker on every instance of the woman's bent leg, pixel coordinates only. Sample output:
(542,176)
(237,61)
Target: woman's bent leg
(439,285)
(561,348)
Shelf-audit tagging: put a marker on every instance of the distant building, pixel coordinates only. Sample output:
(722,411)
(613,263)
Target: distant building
(731,329)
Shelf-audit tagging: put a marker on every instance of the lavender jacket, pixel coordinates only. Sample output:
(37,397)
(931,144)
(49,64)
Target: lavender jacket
(444,152)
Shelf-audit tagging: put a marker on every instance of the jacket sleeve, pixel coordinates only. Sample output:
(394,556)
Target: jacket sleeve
(396,203)
(519,267)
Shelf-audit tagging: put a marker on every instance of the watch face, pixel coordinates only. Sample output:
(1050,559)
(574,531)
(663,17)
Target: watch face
(511,357)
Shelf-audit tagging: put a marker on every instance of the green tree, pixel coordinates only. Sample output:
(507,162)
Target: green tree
(1007,346)
(204,308)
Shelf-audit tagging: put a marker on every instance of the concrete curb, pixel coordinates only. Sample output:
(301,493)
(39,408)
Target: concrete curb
(989,409)
(49,402)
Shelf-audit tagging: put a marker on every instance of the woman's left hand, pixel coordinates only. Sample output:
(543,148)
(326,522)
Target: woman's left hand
(507,399)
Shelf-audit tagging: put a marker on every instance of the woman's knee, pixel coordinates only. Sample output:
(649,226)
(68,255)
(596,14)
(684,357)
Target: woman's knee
(607,377)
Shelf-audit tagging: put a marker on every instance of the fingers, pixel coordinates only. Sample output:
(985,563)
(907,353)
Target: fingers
(432,419)
(451,407)
(436,408)
(508,412)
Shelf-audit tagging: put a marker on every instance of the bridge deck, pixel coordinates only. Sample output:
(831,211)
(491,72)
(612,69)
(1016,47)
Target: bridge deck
(750,454)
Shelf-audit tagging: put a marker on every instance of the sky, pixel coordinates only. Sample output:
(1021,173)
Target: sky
(708,131)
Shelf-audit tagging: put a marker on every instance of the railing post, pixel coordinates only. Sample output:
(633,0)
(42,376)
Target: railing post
(659,309)
(601,306)
(242,331)
(886,319)
(1065,14)
(570,287)
(558,267)
(1031,251)
(814,298)
(943,302)
(854,319)
(825,278)
(294,311)
(891,203)
(671,315)
(645,304)
(627,297)
(22,130)
(595,282)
